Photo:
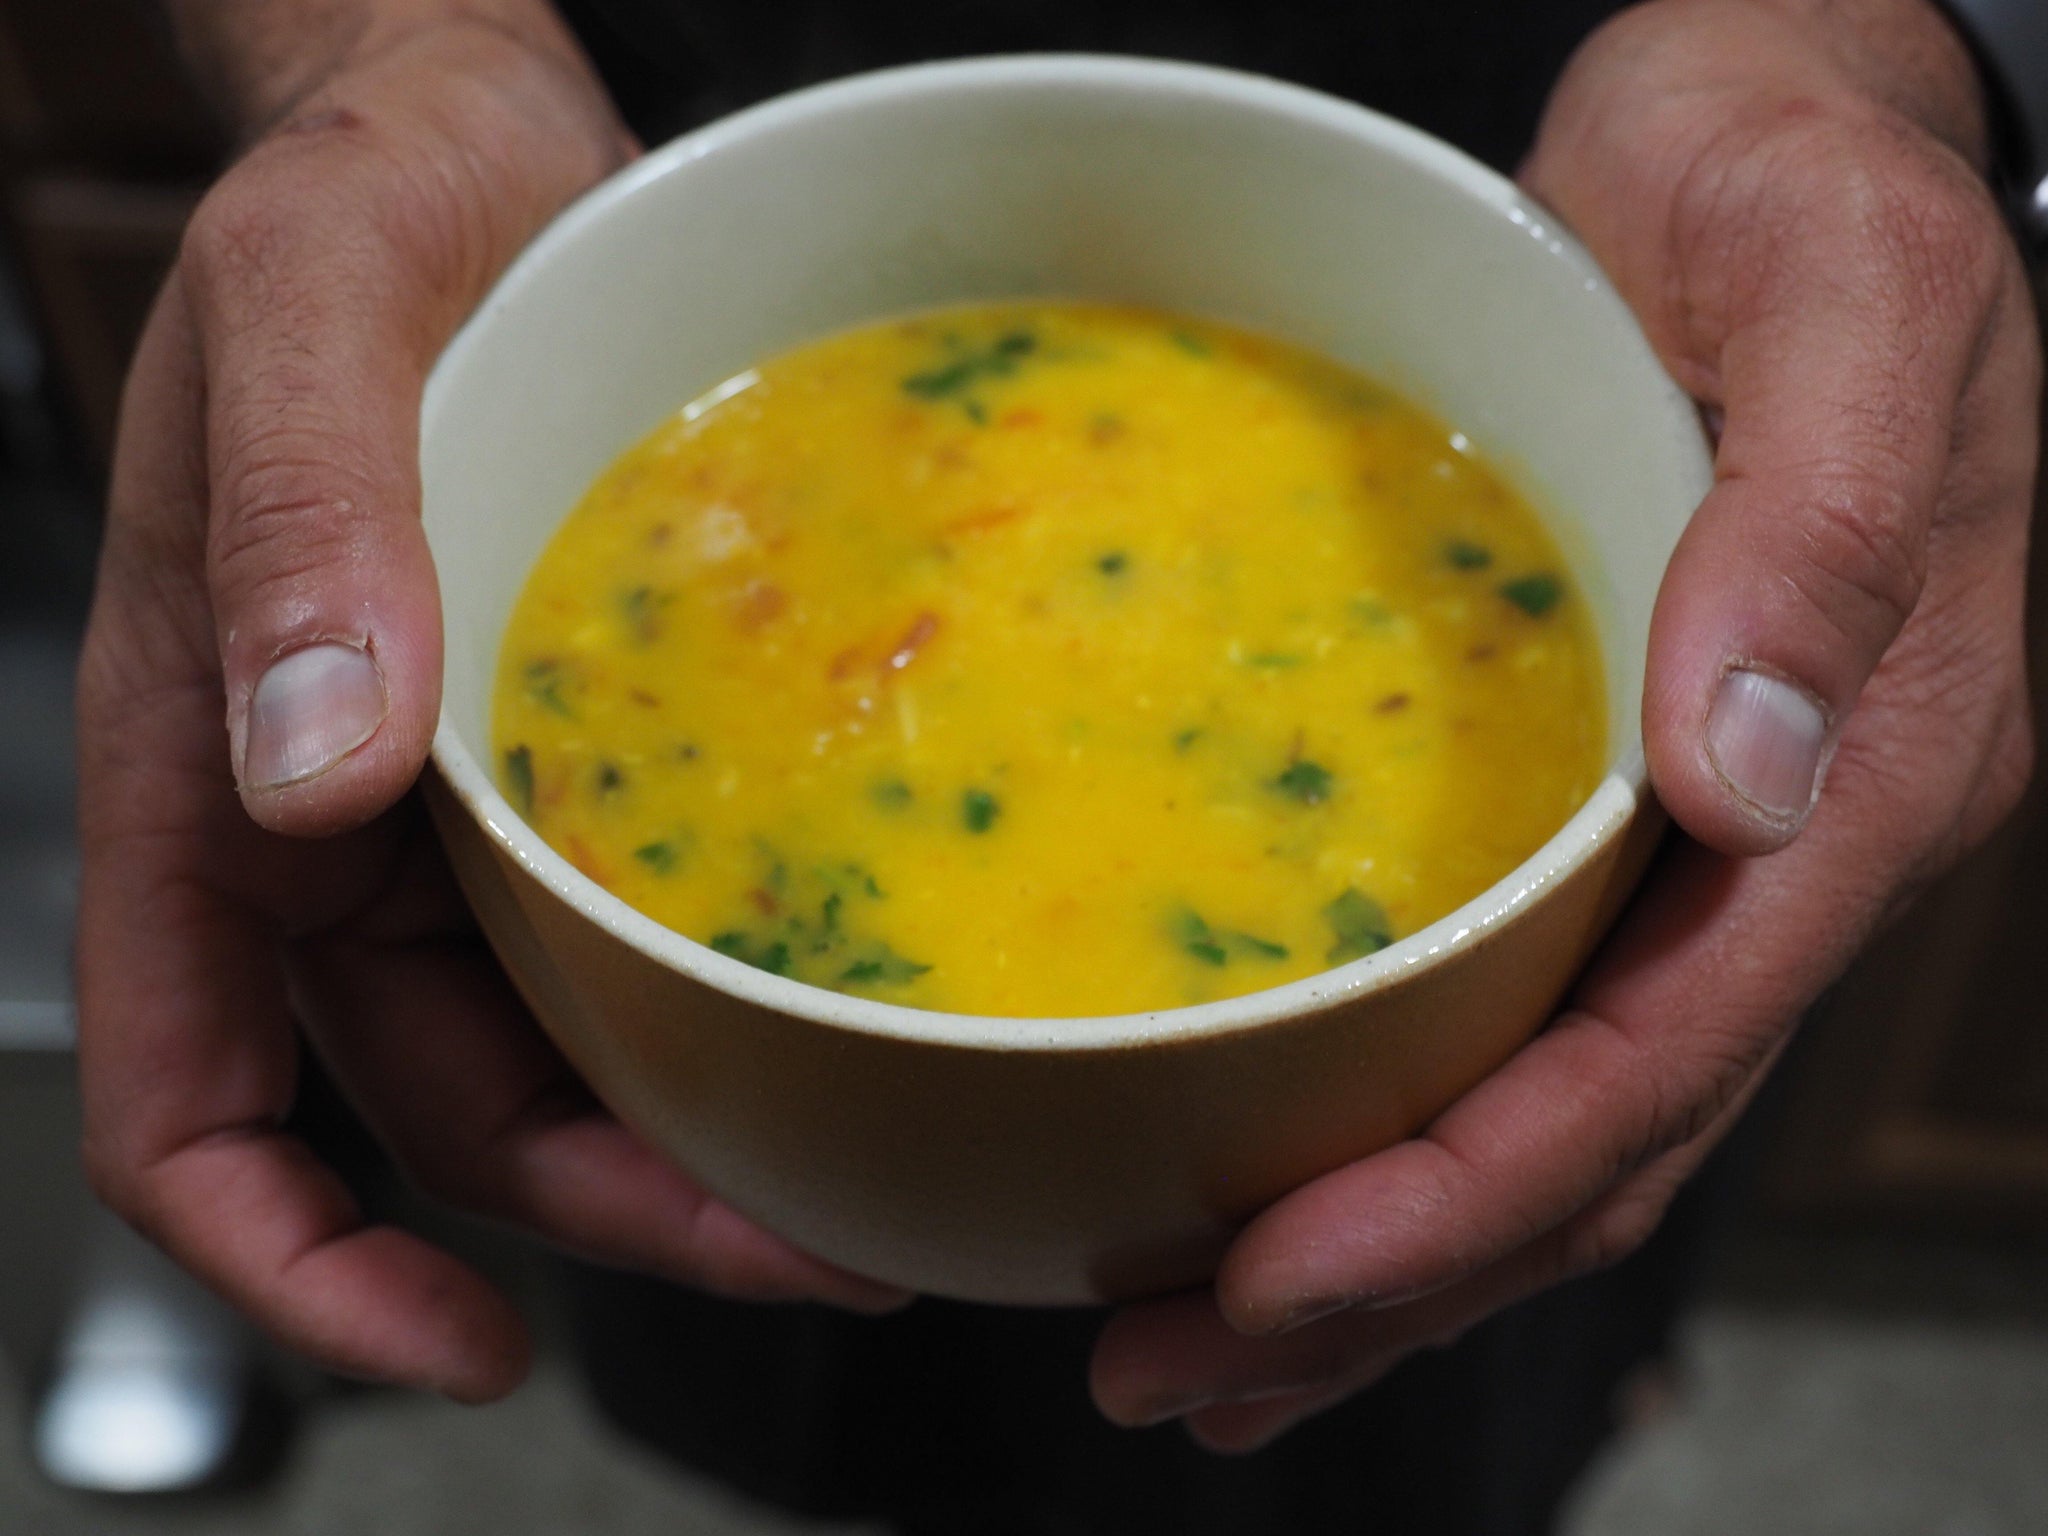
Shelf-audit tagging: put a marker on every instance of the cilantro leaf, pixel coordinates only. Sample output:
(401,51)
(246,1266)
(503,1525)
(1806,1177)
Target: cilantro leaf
(1534,595)
(1306,782)
(1360,925)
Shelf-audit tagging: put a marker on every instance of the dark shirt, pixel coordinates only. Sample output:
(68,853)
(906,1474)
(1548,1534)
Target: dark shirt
(1473,71)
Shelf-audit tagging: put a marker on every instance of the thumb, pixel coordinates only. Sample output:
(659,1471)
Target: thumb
(324,274)
(1806,559)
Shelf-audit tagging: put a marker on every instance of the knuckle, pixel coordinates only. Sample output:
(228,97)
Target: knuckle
(1681,1084)
(1938,253)
(235,236)
(1860,559)
(1897,220)
(288,508)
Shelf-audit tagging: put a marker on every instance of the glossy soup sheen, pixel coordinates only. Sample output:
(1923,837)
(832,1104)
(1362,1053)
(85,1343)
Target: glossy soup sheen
(1049,660)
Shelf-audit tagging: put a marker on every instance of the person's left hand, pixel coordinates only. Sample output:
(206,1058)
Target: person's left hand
(1784,192)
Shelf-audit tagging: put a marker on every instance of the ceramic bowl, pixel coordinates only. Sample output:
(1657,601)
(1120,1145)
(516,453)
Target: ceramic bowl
(1020,1160)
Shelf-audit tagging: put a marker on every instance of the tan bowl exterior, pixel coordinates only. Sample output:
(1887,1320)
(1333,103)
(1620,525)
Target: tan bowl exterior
(1030,1175)
(1070,1160)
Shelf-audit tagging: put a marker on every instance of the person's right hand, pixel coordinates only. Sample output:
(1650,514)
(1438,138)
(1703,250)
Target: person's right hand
(260,684)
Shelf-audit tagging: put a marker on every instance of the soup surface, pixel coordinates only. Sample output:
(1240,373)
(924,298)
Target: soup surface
(1047,660)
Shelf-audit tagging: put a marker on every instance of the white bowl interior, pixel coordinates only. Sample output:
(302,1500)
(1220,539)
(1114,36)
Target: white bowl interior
(1186,188)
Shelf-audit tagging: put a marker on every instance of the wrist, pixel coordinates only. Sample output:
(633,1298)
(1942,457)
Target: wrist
(257,59)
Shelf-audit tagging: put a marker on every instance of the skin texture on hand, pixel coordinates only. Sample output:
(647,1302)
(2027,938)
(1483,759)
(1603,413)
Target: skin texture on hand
(1786,193)
(259,687)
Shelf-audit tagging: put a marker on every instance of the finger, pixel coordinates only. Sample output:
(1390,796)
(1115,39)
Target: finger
(325,273)
(1850,337)
(442,1061)
(1180,1357)
(187,1059)
(1238,1429)
(1678,1019)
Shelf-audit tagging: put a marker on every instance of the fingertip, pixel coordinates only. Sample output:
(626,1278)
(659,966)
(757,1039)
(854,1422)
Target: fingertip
(1138,1370)
(1115,1384)
(1258,1303)
(333,732)
(474,1378)
(1239,1429)
(871,1298)
(1742,769)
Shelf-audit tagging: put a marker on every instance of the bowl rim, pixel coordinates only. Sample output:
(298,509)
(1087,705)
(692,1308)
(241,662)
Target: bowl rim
(1599,821)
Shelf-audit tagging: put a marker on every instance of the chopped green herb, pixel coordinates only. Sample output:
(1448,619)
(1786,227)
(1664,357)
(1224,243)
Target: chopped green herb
(828,912)
(1534,595)
(1466,556)
(1360,925)
(610,778)
(1194,935)
(544,683)
(937,383)
(883,964)
(1191,344)
(772,957)
(951,380)
(979,810)
(1182,740)
(1371,612)
(1275,661)
(641,608)
(519,778)
(1310,783)
(1115,563)
(1265,949)
(890,794)
(660,857)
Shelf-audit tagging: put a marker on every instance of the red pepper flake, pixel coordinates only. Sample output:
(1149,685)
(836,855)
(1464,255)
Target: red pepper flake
(759,604)
(1392,704)
(983,521)
(1022,416)
(840,668)
(588,862)
(764,901)
(643,698)
(915,638)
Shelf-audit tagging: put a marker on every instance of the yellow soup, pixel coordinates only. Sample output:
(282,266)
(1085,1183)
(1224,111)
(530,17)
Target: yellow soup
(1049,660)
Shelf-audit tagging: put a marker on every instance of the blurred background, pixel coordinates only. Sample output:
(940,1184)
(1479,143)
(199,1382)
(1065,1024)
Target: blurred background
(1863,1346)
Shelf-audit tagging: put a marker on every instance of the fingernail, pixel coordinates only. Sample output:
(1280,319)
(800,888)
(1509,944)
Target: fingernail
(309,711)
(1764,738)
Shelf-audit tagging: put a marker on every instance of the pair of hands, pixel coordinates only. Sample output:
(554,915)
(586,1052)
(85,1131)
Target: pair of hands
(1783,190)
